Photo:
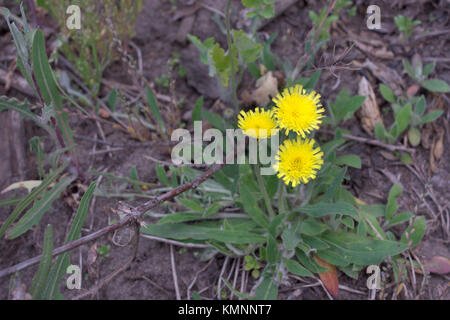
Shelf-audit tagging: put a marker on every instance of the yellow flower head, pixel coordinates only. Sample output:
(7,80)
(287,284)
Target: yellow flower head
(297,110)
(298,161)
(258,123)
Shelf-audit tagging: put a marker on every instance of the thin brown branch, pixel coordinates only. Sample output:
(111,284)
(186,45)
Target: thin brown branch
(131,216)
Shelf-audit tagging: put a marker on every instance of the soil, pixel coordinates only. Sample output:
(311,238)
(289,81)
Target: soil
(150,274)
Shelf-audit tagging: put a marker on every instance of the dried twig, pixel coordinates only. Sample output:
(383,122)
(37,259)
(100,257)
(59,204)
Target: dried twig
(174,273)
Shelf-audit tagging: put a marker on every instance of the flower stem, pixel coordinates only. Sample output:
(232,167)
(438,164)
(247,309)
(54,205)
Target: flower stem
(230,51)
(264,192)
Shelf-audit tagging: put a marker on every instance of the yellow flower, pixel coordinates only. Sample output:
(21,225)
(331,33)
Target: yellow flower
(258,123)
(298,111)
(298,161)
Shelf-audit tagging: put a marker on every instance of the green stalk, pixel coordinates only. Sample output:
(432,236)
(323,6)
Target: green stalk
(264,192)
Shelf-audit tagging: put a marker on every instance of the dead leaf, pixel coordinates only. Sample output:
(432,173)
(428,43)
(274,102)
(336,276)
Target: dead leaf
(267,88)
(369,113)
(411,92)
(104,113)
(29,185)
(388,155)
(376,48)
(329,278)
(439,145)
(386,75)
(438,264)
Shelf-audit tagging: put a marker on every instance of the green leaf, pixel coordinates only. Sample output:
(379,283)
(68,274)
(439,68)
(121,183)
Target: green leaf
(268,12)
(294,267)
(192,204)
(23,110)
(222,63)
(403,118)
(162,175)
(251,3)
(180,231)
(387,93)
(197,111)
(392,204)
(60,267)
(313,80)
(361,250)
(408,68)
(34,215)
(290,237)
(380,132)
(400,218)
(30,198)
(332,190)
(43,72)
(312,227)
(272,250)
(153,105)
(436,85)
(248,49)
(322,209)
(309,263)
(351,160)
(267,289)
(414,136)
(112,100)
(419,107)
(414,233)
(214,119)
(251,207)
(431,116)
(41,277)
(332,257)
(181,217)
(429,67)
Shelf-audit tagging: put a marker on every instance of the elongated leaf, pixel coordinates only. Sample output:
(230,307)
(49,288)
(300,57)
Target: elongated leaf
(329,278)
(46,262)
(43,72)
(414,233)
(153,105)
(436,85)
(323,209)
(361,250)
(252,208)
(23,110)
(29,199)
(180,231)
(268,288)
(294,267)
(351,160)
(34,215)
(60,267)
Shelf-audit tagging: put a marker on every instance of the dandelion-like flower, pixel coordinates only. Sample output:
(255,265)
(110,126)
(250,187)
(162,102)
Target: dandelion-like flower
(258,123)
(298,111)
(298,161)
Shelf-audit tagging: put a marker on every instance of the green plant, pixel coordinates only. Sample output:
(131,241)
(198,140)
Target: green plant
(326,21)
(343,107)
(406,26)
(407,112)
(103,250)
(420,73)
(103,24)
